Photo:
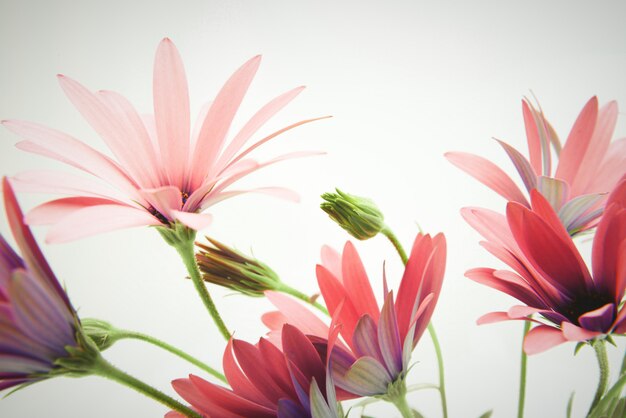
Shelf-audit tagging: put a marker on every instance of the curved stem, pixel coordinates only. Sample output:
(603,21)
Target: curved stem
(386,231)
(176,351)
(297,294)
(603,363)
(103,368)
(522,374)
(186,251)
(442,385)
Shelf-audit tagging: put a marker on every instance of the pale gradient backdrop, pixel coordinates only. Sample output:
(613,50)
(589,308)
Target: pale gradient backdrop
(405,81)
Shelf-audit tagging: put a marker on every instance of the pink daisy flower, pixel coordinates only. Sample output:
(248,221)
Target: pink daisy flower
(550,276)
(589,165)
(163,172)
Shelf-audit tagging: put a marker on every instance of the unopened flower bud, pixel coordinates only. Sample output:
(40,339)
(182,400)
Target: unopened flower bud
(227,267)
(103,334)
(358,215)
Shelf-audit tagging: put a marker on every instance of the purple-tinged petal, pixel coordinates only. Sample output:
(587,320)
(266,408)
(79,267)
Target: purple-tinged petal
(554,190)
(290,409)
(366,377)
(574,214)
(389,337)
(525,170)
(365,339)
(600,319)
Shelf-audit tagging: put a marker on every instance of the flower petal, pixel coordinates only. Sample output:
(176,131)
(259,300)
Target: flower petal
(96,219)
(171,112)
(218,120)
(195,221)
(357,284)
(542,338)
(489,174)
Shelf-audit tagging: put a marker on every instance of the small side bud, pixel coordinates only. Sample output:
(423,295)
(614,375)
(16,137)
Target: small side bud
(358,215)
(227,267)
(103,334)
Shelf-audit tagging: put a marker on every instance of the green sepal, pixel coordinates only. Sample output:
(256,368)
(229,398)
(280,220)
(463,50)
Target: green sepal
(570,404)
(610,402)
(579,346)
(487,414)
(176,234)
(359,216)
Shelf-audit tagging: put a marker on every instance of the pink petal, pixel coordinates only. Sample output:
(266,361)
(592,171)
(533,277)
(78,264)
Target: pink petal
(598,147)
(165,200)
(255,368)
(506,282)
(171,112)
(542,338)
(487,173)
(195,221)
(253,125)
(357,284)
(611,170)
(48,181)
(146,166)
(532,137)
(389,338)
(218,120)
(274,320)
(104,121)
(238,380)
(298,315)
(97,219)
(335,295)
(55,210)
(573,332)
(609,243)
(578,142)
(331,260)
(257,144)
(548,252)
(55,144)
(493,317)
(221,398)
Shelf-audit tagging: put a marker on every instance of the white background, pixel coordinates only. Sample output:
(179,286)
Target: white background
(405,81)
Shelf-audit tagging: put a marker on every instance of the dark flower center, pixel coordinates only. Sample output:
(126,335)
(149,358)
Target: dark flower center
(183,197)
(583,303)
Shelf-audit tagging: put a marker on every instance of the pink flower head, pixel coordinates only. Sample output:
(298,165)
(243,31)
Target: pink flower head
(550,275)
(589,165)
(266,382)
(37,321)
(163,172)
(378,342)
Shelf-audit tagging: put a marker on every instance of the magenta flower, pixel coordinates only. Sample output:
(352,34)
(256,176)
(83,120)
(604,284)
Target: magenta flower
(165,173)
(589,165)
(550,276)
(265,382)
(378,342)
(37,321)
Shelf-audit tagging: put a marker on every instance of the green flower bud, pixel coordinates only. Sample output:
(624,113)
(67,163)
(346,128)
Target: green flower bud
(358,215)
(227,267)
(103,334)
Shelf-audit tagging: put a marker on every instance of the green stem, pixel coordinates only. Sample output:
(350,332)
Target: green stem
(297,294)
(623,368)
(442,385)
(522,375)
(186,251)
(176,351)
(103,368)
(431,329)
(603,362)
(386,231)
(402,405)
